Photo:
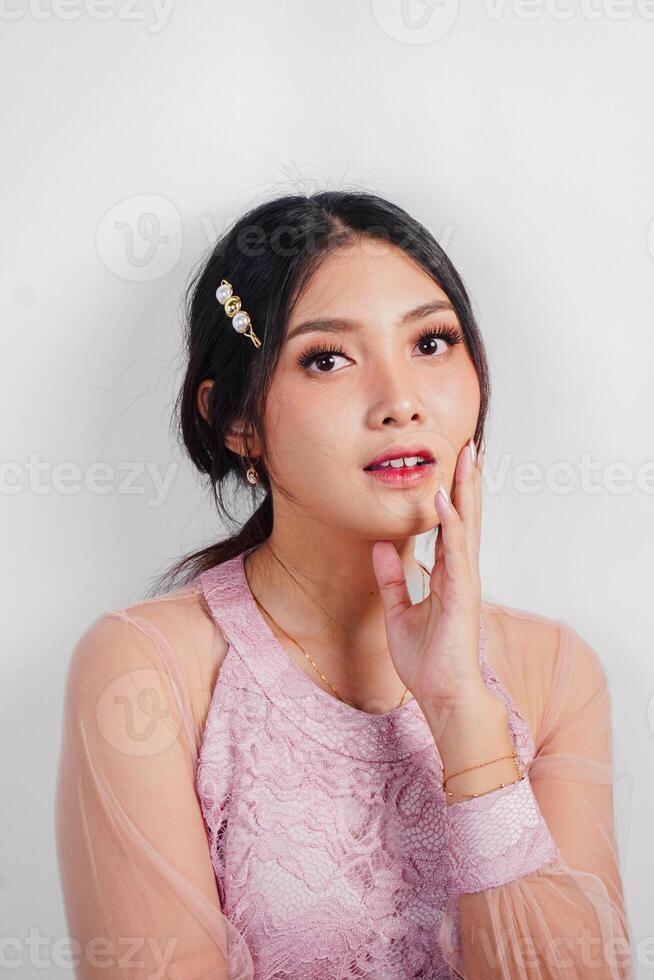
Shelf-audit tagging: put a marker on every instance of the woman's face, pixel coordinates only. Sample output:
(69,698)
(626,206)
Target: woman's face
(329,417)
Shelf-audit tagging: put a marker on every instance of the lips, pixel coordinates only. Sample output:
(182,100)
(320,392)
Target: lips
(395,452)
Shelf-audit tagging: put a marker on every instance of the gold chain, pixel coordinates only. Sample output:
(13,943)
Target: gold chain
(513,755)
(315,666)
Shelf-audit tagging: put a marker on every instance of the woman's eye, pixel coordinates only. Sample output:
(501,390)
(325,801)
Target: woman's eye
(432,343)
(432,339)
(321,359)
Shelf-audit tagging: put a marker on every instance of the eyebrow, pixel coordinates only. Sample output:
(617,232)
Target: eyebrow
(341,325)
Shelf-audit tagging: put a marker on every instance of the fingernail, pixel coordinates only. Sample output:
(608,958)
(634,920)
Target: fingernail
(473,451)
(444,494)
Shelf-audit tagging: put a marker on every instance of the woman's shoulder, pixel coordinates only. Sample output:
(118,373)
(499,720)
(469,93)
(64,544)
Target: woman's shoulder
(521,631)
(544,661)
(531,634)
(173,634)
(182,614)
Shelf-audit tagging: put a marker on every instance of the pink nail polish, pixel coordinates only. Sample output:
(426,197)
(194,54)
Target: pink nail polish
(444,494)
(473,451)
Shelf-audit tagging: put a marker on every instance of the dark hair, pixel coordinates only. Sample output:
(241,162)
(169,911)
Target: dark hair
(269,256)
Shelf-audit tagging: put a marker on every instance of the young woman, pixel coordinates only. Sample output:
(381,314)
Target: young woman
(316,758)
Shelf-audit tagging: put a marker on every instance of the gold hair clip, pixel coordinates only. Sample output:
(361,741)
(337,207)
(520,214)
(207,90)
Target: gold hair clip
(240,319)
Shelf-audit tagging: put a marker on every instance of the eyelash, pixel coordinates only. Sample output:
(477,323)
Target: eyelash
(445,332)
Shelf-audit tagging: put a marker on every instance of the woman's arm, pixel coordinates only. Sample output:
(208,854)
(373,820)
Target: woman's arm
(138,883)
(538,891)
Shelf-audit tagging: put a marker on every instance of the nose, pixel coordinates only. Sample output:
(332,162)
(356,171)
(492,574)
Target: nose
(395,394)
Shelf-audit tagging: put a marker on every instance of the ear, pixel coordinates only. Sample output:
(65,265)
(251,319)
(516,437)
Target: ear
(234,438)
(235,430)
(203,398)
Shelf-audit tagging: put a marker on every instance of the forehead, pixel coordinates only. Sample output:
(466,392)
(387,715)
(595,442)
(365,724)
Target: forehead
(366,278)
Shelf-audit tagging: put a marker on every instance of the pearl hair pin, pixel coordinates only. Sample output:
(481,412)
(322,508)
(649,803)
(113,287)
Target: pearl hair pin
(240,319)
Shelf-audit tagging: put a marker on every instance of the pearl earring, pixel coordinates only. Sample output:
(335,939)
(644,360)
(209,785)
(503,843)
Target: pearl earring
(252,475)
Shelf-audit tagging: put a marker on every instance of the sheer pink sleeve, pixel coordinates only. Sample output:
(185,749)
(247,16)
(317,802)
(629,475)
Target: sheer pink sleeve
(138,884)
(539,891)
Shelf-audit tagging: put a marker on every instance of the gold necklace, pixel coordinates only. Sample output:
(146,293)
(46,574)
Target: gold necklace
(315,666)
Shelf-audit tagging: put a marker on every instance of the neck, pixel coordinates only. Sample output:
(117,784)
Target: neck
(334,618)
(334,596)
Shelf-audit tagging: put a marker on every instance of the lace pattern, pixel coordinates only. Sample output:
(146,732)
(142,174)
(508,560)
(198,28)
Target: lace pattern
(334,850)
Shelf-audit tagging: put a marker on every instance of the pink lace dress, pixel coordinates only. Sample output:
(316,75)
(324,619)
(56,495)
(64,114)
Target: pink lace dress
(334,851)
(221,817)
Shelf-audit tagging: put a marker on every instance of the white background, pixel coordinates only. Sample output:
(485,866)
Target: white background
(520,133)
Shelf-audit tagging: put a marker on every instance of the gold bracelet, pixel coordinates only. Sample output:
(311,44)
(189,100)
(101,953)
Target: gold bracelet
(469,796)
(479,765)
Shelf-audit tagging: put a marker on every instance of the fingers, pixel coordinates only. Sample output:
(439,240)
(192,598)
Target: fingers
(391,579)
(466,493)
(460,531)
(468,497)
(454,546)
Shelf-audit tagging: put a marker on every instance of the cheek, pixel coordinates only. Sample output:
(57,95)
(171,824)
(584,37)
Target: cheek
(299,425)
(307,435)
(452,405)
(310,433)
(457,398)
